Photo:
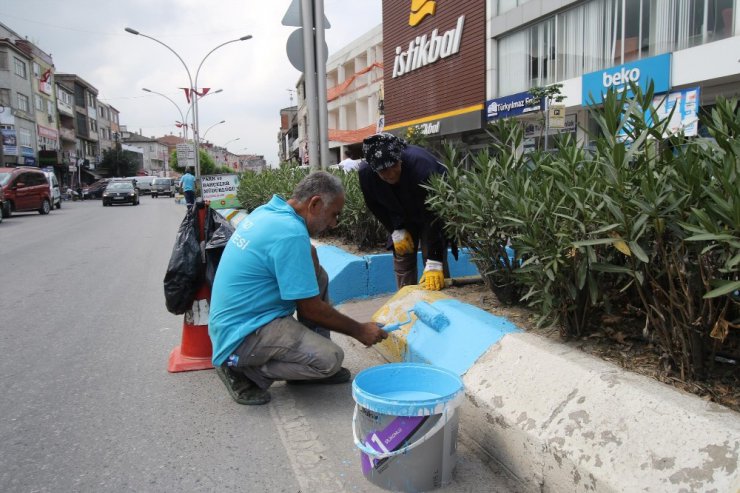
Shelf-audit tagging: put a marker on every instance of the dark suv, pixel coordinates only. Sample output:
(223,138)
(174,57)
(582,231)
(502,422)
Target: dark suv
(25,189)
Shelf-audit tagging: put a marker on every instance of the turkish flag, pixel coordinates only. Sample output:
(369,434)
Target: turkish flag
(45,76)
(187,93)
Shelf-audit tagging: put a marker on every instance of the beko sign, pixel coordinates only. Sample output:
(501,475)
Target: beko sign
(427,49)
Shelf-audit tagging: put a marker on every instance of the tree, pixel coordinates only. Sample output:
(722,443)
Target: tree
(116,162)
(548,94)
(207,166)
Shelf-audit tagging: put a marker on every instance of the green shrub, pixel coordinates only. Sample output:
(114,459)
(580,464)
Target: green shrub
(646,221)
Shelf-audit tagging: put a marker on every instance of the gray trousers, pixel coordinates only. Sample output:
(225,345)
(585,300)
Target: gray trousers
(287,349)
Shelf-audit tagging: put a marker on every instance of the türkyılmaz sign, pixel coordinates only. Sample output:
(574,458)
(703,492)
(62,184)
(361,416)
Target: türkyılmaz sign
(425,50)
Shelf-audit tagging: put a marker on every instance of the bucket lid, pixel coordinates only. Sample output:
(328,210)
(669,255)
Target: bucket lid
(407,389)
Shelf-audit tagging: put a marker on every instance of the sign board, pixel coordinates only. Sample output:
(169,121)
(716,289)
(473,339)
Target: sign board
(641,72)
(517,104)
(534,128)
(185,155)
(684,105)
(556,116)
(220,190)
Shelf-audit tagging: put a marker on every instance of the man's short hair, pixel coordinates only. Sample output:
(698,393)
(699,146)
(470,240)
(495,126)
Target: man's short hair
(321,183)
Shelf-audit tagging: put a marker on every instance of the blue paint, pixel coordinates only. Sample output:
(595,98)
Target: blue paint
(407,389)
(656,69)
(348,274)
(469,335)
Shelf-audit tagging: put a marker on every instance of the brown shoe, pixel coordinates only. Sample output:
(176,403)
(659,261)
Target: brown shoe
(241,388)
(342,376)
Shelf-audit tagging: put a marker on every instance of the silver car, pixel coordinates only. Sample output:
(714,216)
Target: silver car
(162,186)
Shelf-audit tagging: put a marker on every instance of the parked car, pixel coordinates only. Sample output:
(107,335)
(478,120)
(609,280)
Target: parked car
(54,190)
(163,186)
(95,190)
(143,183)
(120,192)
(25,189)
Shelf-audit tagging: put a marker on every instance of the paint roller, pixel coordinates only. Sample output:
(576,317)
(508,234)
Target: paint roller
(430,316)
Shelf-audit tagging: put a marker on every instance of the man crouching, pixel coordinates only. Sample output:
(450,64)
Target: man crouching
(268,270)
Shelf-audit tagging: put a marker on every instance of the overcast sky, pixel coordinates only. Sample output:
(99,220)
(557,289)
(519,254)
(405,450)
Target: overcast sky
(87,38)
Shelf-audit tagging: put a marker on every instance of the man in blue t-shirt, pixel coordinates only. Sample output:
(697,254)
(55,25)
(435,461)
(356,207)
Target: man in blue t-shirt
(187,184)
(268,271)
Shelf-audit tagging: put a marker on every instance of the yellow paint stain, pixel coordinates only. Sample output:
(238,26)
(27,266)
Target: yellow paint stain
(395,347)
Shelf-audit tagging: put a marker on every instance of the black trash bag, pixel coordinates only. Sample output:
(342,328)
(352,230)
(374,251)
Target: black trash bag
(218,231)
(185,270)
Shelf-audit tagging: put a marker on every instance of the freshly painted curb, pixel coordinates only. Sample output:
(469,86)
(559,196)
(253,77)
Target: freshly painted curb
(456,347)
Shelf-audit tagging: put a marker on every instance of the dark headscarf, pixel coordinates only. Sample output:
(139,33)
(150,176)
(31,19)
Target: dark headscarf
(382,150)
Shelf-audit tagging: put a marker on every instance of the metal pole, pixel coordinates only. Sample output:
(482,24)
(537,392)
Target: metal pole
(182,117)
(321,85)
(309,79)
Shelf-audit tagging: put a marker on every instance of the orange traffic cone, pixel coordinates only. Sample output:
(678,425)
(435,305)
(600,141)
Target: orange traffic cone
(195,350)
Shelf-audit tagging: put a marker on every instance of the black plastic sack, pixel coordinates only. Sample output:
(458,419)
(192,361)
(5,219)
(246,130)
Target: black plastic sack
(184,272)
(218,231)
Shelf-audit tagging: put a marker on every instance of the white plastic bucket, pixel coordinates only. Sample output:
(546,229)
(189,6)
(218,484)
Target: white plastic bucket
(405,425)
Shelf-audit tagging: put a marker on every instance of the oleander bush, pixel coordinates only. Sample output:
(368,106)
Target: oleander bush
(645,219)
(356,226)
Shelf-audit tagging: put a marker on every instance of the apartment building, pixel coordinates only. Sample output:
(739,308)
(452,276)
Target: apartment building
(17,113)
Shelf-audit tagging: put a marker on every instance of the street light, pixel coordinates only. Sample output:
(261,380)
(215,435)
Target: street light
(182,118)
(229,142)
(205,95)
(206,132)
(193,88)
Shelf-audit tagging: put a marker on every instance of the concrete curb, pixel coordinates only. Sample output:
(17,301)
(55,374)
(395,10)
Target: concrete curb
(556,418)
(562,420)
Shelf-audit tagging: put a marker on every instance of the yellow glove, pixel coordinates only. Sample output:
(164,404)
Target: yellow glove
(403,244)
(433,278)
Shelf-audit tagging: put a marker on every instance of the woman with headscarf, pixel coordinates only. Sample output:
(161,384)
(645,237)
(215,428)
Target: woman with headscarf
(391,179)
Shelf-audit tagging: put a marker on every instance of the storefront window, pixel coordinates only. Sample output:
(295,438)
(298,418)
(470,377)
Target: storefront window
(604,33)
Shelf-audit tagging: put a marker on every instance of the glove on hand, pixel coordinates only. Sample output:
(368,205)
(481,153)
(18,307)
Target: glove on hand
(433,278)
(403,244)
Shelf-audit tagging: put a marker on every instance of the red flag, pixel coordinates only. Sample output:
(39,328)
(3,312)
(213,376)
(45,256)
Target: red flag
(187,93)
(45,76)
(203,92)
(178,124)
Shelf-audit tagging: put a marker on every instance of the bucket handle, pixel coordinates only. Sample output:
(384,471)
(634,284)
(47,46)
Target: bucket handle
(383,455)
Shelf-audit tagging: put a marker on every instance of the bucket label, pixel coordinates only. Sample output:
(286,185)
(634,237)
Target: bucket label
(390,439)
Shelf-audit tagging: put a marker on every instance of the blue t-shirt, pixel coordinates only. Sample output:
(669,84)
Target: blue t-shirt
(187,182)
(266,266)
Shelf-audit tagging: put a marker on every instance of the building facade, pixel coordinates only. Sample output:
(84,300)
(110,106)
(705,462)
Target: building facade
(435,79)
(687,49)
(17,113)
(154,153)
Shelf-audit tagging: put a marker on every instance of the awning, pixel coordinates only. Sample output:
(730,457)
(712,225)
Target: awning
(92,173)
(351,136)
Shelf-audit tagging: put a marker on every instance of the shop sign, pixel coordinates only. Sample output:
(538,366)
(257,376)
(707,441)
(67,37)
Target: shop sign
(431,128)
(220,190)
(47,132)
(427,49)
(534,128)
(10,146)
(29,161)
(656,69)
(514,105)
(683,108)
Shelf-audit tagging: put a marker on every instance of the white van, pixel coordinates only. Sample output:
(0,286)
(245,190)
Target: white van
(54,191)
(143,183)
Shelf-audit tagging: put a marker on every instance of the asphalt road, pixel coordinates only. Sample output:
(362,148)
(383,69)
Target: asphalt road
(87,402)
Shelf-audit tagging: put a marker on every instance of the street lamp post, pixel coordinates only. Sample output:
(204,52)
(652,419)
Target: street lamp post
(193,87)
(217,123)
(182,117)
(229,142)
